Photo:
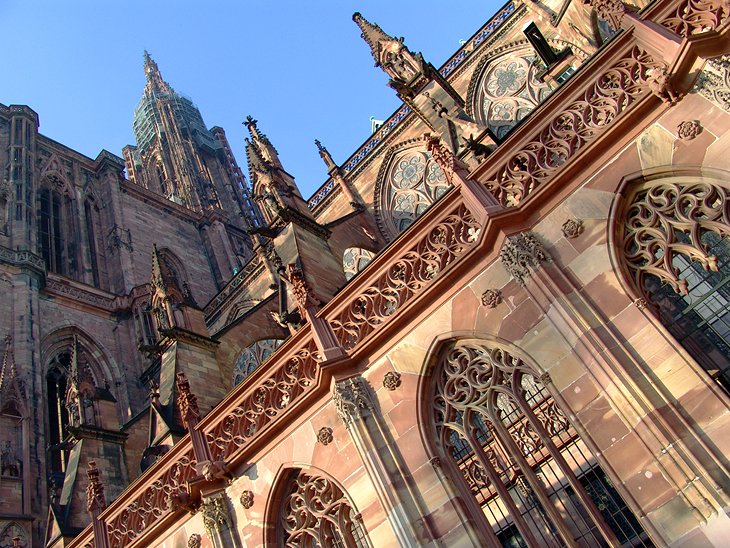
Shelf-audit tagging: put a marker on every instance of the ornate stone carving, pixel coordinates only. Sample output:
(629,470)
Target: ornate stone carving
(392,380)
(408,275)
(95,500)
(659,82)
(216,515)
(641,303)
(303,293)
(613,93)
(521,255)
(435,462)
(315,512)
(572,228)
(247,499)
(195,541)
(352,399)
(611,11)
(324,436)
(491,298)
(697,16)
(714,82)
(688,130)
(187,402)
(288,381)
(665,220)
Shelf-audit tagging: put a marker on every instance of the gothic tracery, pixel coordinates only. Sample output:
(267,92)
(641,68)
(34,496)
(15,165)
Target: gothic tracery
(316,512)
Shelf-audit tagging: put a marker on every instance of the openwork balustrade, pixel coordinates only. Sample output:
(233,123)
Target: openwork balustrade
(162,495)
(612,94)
(697,16)
(263,403)
(407,276)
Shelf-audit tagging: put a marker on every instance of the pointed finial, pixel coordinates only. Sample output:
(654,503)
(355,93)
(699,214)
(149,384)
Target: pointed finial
(153,75)
(325,155)
(95,500)
(157,279)
(253,129)
(372,34)
(7,370)
(73,367)
(187,402)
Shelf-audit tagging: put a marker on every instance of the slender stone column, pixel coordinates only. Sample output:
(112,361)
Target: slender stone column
(357,407)
(96,504)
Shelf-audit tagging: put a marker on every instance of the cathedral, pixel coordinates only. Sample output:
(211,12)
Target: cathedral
(504,320)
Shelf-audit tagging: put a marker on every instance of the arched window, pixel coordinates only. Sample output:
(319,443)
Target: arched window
(252,357)
(315,512)
(56,238)
(413,181)
(94,233)
(58,420)
(508,89)
(511,447)
(674,243)
(355,259)
(145,325)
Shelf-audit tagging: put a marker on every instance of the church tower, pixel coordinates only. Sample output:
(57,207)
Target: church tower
(179,157)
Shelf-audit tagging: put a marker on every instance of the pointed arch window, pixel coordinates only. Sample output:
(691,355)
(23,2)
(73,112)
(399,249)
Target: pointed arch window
(674,243)
(412,183)
(354,260)
(511,448)
(252,357)
(96,248)
(58,416)
(56,238)
(508,89)
(315,512)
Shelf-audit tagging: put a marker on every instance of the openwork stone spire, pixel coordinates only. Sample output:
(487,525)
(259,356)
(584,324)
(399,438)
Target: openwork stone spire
(155,83)
(373,35)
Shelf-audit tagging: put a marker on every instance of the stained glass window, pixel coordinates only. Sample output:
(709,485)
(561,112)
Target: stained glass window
(509,89)
(414,182)
(252,357)
(354,260)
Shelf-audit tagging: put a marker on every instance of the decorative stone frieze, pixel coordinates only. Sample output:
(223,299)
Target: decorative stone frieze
(572,228)
(392,380)
(491,298)
(521,255)
(324,436)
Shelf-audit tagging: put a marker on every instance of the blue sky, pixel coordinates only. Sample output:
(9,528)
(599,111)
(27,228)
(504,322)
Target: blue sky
(300,68)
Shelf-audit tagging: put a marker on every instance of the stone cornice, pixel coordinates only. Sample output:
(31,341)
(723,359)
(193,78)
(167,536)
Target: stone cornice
(23,259)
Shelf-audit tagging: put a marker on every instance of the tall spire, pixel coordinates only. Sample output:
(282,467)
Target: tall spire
(373,35)
(155,83)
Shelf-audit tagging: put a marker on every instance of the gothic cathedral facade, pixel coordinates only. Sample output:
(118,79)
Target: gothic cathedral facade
(504,320)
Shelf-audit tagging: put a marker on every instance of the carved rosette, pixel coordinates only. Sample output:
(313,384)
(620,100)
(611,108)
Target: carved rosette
(572,228)
(521,255)
(324,436)
(187,402)
(688,130)
(195,541)
(491,298)
(95,500)
(247,499)
(392,380)
(352,400)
